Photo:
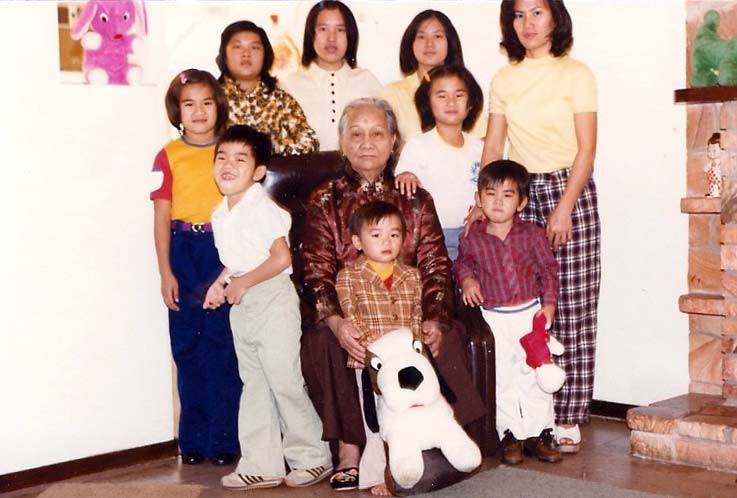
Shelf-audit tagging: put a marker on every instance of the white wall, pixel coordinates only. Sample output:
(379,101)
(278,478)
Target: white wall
(84,356)
(84,359)
(642,345)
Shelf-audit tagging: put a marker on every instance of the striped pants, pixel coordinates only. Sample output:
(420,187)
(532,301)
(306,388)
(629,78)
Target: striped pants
(579,275)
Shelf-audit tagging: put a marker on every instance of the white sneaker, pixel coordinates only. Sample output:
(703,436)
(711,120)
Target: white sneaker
(241,482)
(300,478)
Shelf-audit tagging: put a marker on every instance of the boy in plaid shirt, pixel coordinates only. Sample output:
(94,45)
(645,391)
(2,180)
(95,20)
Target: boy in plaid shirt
(506,266)
(378,294)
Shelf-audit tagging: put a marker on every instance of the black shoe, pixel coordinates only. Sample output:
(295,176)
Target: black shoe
(511,449)
(192,458)
(224,459)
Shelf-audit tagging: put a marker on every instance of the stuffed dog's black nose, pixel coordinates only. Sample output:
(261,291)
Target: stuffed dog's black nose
(410,378)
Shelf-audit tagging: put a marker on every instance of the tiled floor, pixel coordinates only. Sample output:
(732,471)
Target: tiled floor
(604,457)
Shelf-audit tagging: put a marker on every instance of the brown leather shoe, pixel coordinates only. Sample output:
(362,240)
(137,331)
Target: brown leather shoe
(543,447)
(511,449)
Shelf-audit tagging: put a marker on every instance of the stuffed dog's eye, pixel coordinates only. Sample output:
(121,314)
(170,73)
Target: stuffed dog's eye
(417,346)
(126,16)
(103,17)
(376,363)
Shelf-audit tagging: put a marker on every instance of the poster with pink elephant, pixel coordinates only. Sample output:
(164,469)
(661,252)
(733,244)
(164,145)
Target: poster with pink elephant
(102,42)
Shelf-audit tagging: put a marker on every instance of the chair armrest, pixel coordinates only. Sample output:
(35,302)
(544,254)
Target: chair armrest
(480,353)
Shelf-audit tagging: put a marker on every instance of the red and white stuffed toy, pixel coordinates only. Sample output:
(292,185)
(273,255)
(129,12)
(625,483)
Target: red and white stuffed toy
(539,347)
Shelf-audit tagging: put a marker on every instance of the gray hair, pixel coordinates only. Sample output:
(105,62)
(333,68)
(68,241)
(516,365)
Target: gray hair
(391,118)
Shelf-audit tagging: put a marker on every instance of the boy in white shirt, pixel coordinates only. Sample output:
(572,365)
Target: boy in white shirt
(251,233)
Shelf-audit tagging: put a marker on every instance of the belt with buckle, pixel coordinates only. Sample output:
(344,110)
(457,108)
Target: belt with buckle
(183,226)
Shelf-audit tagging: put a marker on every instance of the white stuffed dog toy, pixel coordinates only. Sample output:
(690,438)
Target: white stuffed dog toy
(413,416)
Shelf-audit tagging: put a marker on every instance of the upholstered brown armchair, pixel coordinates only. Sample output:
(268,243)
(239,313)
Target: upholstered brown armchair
(290,181)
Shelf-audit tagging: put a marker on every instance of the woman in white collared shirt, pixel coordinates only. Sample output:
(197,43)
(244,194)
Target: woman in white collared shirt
(329,78)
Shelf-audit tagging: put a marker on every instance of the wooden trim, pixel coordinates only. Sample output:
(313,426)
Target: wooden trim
(610,409)
(125,458)
(706,94)
(88,465)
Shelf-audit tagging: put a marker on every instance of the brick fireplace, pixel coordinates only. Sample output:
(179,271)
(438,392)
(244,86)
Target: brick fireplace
(700,427)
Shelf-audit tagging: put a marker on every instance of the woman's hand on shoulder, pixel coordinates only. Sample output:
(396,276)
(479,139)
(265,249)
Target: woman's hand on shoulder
(474,214)
(348,337)
(407,184)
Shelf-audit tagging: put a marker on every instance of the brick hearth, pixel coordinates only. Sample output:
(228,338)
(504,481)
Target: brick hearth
(693,429)
(700,428)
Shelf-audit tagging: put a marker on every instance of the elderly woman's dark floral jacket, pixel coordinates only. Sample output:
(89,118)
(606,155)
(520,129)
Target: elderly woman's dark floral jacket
(326,243)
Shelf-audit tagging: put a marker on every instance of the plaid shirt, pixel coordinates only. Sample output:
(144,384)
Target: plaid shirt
(374,309)
(511,271)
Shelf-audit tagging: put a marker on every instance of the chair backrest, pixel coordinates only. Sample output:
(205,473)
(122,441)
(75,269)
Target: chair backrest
(290,180)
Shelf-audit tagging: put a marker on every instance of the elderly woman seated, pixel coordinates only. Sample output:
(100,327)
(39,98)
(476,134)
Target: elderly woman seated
(368,135)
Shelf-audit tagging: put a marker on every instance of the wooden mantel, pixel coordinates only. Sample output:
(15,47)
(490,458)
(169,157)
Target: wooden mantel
(706,95)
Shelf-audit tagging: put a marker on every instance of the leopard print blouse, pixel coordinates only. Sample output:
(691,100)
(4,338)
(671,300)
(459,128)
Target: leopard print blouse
(275,113)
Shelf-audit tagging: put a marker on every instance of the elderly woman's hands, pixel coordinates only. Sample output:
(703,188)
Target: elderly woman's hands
(348,336)
(432,336)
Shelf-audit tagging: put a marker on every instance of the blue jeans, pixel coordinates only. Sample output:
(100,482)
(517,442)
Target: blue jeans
(202,347)
(451,241)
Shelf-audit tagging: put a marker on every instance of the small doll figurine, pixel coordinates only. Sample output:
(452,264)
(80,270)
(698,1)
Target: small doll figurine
(717,157)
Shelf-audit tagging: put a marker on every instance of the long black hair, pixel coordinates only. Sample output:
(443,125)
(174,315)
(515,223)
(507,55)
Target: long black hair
(408,61)
(351,31)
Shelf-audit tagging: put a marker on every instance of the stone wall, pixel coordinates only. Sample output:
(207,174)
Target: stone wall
(712,261)
(700,428)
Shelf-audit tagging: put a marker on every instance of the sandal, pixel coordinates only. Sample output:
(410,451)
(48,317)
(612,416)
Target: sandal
(344,479)
(568,439)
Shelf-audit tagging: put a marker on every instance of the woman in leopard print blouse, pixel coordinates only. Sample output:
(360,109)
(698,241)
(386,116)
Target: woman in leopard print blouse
(245,58)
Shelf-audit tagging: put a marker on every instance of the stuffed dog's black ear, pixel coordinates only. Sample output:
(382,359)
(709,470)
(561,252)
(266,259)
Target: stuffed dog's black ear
(369,403)
(445,390)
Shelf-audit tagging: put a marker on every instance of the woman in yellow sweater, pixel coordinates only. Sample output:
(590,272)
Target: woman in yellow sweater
(429,41)
(544,103)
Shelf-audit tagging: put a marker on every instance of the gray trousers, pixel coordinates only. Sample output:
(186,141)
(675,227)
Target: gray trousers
(276,420)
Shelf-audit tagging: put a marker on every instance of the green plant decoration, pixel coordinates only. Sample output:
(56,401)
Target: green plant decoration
(713,59)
